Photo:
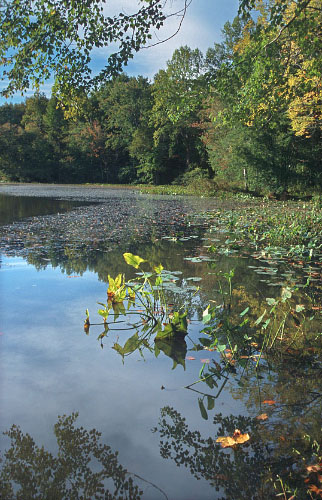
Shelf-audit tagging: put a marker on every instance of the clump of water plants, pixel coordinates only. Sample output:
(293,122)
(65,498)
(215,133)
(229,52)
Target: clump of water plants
(144,300)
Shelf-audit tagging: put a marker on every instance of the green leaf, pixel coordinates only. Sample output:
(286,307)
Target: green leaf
(206,317)
(104,313)
(211,402)
(133,260)
(299,308)
(131,344)
(158,269)
(210,380)
(177,327)
(259,320)
(176,349)
(201,370)
(245,311)
(267,322)
(203,410)
(286,294)
(118,349)
(271,302)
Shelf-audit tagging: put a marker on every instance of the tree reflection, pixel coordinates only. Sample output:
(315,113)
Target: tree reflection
(83,468)
(259,469)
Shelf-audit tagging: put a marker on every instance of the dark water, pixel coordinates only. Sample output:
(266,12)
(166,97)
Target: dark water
(53,267)
(13,208)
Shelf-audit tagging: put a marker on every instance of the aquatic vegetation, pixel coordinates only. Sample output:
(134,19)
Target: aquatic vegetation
(295,227)
(143,299)
(249,338)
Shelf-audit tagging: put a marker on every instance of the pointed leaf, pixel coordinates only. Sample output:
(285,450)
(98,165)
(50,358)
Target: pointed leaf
(133,260)
(203,410)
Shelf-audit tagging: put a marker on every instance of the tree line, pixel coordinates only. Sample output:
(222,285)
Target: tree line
(246,114)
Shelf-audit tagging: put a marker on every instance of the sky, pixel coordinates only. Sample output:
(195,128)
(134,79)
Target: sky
(200,29)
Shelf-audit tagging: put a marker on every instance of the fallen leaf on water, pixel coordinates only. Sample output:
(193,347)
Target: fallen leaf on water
(269,402)
(237,438)
(190,358)
(314,468)
(315,489)
(263,416)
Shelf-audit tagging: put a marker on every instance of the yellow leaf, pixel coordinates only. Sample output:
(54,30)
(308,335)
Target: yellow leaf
(237,438)
(263,416)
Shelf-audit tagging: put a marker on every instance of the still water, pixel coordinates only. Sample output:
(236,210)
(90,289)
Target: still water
(57,249)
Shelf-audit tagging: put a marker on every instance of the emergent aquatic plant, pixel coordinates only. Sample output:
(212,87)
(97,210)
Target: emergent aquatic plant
(144,299)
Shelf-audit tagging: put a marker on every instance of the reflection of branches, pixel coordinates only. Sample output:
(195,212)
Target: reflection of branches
(206,460)
(204,393)
(81,469)
(264,463)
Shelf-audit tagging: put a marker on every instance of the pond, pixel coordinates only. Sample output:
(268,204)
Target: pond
(159,407)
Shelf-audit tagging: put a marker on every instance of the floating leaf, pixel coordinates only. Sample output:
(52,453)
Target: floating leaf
(269,402)
(237,438)
(263,416)
(286,294)
(314,468)
(315,489)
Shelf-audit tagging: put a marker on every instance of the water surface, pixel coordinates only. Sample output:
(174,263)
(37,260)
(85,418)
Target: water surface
(55,264)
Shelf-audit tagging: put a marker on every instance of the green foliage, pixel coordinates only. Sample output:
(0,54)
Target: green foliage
(244,117)
(178,92)
(147,292)
(42,38)
(177,326)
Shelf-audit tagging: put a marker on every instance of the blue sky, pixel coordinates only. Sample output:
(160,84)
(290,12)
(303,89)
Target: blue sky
(201,29)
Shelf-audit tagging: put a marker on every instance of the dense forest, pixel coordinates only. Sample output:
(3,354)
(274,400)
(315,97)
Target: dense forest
(246,114)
